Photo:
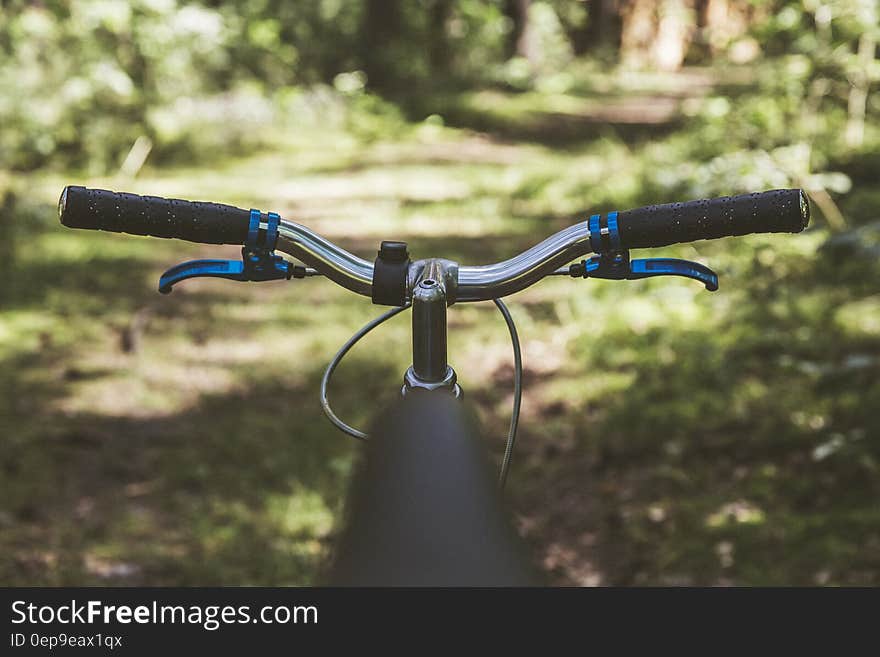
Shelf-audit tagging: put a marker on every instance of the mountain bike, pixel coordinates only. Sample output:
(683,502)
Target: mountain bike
(429,286)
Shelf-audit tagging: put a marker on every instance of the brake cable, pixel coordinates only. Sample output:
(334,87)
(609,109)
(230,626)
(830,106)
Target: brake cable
(331,367)
(517,392)
(384,317)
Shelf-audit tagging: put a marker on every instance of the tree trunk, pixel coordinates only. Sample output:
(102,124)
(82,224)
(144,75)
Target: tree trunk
(380,33)
(603,29)
(638,31)
(858,93)
(657,35)
(439,55)
(675,29)
(724,21)
(7,245)
(521,42)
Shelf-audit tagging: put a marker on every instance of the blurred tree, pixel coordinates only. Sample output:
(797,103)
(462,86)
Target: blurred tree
(7,238)
(657,35)
(576,20)
(723,21)
(637,31)
(439,51)
(381,32)
(521,42)
(603,29)
(676,23)
(860,78)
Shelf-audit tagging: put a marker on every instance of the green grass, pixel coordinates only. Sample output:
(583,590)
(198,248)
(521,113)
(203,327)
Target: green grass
(668,436)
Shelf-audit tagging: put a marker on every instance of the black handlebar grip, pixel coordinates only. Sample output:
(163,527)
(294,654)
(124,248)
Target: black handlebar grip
(776,211)
(196,221)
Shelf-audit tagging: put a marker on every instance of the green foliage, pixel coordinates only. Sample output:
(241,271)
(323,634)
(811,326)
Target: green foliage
(478,32)
(78,79)
(81,81)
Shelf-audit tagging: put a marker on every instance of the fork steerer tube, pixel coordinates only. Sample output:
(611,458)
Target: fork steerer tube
(430,371)
(429,331)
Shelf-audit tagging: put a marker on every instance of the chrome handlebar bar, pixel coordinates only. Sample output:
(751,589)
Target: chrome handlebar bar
(475,283)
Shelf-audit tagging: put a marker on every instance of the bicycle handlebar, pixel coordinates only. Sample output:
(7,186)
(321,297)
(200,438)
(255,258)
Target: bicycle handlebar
(781,210)
(119,212)
(776,211)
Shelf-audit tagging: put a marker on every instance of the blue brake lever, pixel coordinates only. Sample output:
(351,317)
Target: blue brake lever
(616,265)
(648,267)
(231,269)
(258,260)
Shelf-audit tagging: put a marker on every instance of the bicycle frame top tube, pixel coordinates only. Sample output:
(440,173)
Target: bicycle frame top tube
(475,283)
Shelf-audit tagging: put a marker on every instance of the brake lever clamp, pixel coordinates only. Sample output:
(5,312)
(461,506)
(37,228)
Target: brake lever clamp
(258,260)
(616,265)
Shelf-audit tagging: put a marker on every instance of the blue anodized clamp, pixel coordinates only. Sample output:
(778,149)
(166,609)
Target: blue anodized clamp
(258,260)
(614,263)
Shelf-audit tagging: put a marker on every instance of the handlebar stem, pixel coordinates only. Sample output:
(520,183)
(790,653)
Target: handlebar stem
(430,369)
